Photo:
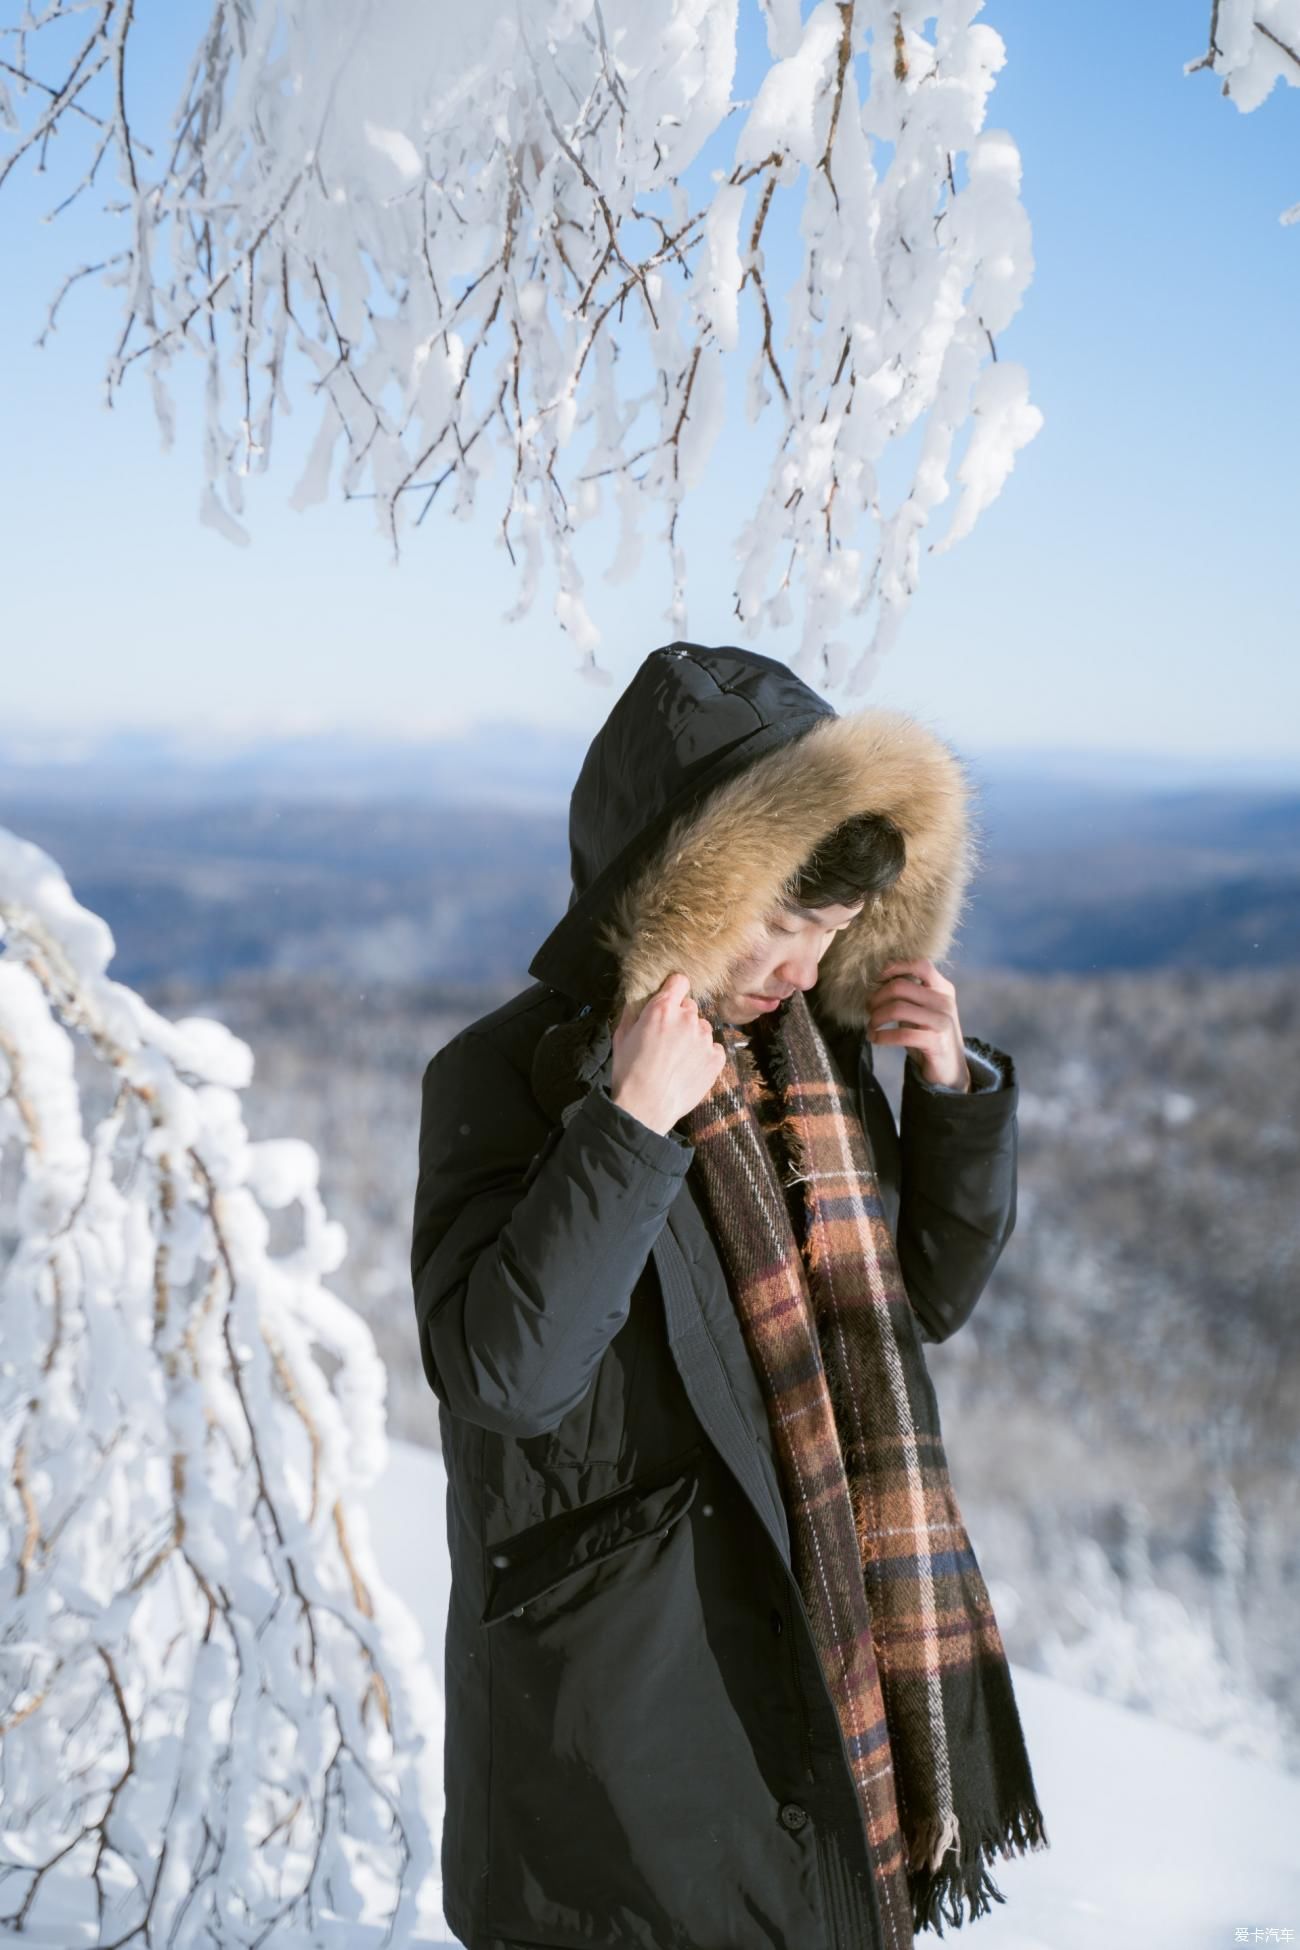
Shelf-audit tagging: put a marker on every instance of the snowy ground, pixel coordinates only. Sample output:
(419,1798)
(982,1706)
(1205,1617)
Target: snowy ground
(1158,1839)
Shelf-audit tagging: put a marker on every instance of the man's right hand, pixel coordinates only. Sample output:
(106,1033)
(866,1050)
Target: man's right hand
(665,1056)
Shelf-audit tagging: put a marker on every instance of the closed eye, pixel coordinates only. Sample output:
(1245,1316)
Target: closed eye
(792,932)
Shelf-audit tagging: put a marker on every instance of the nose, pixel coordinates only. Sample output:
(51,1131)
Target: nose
(798,969)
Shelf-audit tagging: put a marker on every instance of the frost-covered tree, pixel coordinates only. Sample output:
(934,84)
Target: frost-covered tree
(214,1717)
(1253,44)
(466,234)
(1118,1633)
(484,241)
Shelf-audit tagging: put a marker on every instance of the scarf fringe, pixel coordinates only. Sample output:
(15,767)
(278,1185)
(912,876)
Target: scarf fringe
(939,1892)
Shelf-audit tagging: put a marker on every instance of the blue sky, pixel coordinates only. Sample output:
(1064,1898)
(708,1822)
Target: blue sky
(1132,589)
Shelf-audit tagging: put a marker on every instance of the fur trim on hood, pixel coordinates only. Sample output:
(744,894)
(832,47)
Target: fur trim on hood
(711,782)
(698,903)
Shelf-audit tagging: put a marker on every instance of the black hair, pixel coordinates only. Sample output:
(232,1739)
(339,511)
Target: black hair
(862,857)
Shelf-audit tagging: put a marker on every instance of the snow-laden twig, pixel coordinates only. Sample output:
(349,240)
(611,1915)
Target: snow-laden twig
(1253,44)
(210,1705)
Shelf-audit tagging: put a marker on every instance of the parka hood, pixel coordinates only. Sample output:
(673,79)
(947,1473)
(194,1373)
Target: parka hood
(700,799)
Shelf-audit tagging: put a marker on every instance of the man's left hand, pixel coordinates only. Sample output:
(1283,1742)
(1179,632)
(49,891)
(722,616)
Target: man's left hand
(923,1003)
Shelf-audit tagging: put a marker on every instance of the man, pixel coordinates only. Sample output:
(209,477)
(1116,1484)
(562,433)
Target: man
(721,1670)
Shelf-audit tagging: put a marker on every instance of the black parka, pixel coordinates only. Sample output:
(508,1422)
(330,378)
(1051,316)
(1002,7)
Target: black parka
(640,1749)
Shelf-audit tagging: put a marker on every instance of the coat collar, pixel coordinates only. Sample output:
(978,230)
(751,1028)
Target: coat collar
(576,1055)
(571,1058)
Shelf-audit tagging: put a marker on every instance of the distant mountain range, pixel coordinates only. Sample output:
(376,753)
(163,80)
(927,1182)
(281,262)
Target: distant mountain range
(500,760)
(502,763)
(412,862)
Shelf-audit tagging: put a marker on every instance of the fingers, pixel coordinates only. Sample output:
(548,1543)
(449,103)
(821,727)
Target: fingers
(910,1015)
(921,969)
(675,987)
(906,997)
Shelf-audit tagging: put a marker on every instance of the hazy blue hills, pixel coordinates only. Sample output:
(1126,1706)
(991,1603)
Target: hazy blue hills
(447,862)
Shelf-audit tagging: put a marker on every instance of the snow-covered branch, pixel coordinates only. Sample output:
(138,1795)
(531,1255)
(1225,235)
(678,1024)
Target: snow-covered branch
(1253,44)
(474,225)
(209,1705)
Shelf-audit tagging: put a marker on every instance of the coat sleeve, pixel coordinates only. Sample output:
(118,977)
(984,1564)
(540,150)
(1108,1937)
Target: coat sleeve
(527,1236)
(984,1074)
(957,1187)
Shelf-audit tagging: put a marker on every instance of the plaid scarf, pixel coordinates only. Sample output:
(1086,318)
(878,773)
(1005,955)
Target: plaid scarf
(900,1614)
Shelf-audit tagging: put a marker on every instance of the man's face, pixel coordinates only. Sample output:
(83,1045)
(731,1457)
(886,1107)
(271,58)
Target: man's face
(782,957)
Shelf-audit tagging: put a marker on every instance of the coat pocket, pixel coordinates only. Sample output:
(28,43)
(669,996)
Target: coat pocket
(536,1563)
